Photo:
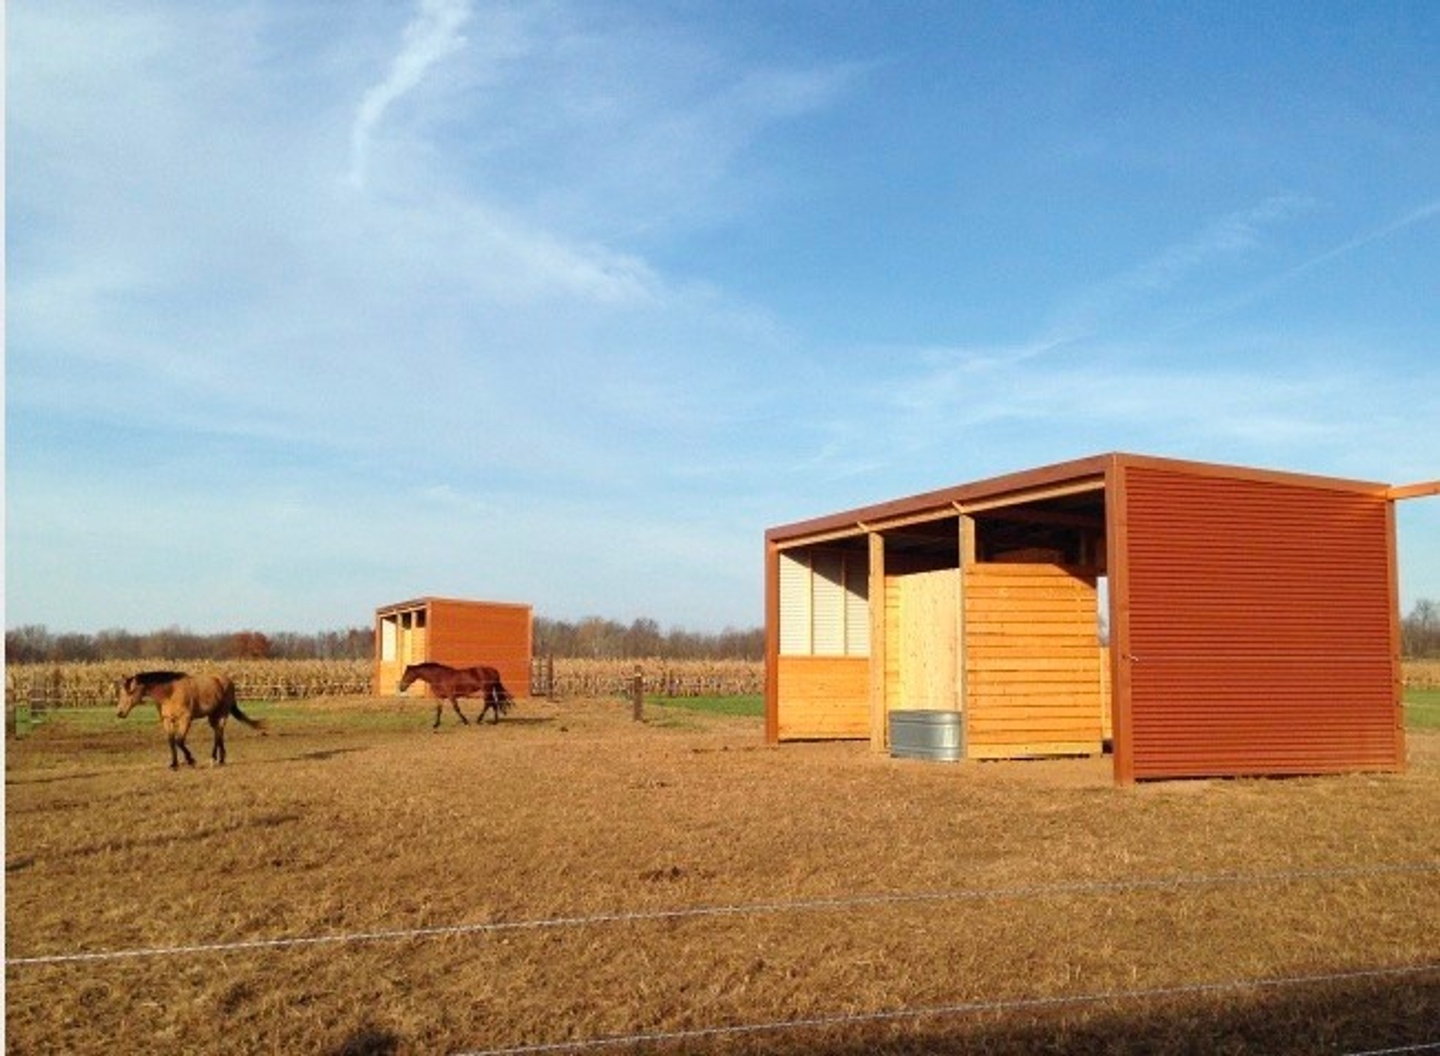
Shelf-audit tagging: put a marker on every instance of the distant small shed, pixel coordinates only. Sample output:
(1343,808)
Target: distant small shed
(1252,617)
(455,632)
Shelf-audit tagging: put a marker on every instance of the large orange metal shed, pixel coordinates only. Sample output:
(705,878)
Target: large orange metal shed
(456,632)
(1252,616)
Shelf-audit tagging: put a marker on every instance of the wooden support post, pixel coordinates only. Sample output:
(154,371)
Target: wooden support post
(879,715)
(967,547)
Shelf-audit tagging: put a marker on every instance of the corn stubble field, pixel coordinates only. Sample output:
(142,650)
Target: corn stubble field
(573,880)
(77,684)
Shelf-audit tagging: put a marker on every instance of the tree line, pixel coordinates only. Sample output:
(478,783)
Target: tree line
(1420,631)
(34,643)
(590,638)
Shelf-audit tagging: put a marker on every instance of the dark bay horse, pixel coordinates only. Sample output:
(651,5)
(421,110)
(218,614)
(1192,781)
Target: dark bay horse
(180,699)
(451,683)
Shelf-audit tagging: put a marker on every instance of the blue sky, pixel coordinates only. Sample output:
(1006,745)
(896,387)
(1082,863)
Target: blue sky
(314,306)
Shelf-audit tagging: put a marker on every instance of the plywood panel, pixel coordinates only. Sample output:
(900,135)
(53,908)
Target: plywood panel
(823,697)
(926,645)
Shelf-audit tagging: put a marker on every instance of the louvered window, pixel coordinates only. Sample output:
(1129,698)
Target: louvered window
(824,604)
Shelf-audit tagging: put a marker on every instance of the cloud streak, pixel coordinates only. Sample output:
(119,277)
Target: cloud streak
(1154,283)
(431,36)
(510,278)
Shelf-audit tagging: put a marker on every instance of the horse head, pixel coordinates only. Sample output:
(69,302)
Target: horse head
(132,692)
(408,678)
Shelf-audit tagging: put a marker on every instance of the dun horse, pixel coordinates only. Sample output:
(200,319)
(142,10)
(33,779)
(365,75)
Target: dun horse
(451,683)
(181,698)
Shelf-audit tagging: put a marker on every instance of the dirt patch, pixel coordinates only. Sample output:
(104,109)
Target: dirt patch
(357,883)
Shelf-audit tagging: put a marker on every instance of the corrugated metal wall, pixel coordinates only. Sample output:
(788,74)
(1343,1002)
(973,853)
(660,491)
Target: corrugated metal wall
(463,633)
(459,633)
(1258,627)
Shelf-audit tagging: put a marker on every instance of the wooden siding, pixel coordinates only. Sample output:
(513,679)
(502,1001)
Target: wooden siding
(822,697)
(1258,628)
(1033,671)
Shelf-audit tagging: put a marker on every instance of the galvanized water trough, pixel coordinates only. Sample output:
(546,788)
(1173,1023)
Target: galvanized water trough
(927,734)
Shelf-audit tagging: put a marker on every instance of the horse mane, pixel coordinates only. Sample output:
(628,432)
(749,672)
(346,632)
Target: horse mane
(158,678)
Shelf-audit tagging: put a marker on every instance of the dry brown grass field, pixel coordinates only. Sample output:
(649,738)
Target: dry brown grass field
(572,880)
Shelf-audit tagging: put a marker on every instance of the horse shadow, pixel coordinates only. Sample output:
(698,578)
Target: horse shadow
(369,1040)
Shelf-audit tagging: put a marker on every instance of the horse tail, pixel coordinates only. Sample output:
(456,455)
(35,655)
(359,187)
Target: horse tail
(256,724)
(505,697)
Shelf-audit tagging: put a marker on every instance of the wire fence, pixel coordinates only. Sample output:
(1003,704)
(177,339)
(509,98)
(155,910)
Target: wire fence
(561,678)
(974,1007)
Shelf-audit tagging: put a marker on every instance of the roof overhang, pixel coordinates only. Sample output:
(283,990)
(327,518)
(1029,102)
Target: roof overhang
(1012,489)
(1034,486)
(1415,491)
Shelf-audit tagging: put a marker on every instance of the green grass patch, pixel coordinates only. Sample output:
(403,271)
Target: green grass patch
(750,706)
(1422,709)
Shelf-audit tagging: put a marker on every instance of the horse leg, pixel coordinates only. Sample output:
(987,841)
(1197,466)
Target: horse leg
(217,748)
(177,728)
(439,704)
(455,703)
(177,740)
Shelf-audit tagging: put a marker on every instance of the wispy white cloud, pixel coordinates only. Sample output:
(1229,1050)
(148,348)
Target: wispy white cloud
(1165,283)
(1420,215)
(430,37)
(354,252)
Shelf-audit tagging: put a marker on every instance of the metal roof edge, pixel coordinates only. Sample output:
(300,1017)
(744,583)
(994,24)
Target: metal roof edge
(860,519)
(938,500)
(428,599)
(1255,473)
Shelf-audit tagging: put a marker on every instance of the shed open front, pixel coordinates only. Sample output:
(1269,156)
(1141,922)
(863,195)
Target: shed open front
(1252,618)
(985,609)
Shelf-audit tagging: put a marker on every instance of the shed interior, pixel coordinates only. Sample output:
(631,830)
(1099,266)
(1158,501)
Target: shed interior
(993,613)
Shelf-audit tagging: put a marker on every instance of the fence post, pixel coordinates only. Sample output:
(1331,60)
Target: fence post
(637,690)
(550,677)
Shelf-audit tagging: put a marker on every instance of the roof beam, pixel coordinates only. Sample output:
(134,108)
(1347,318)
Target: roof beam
(1414,491)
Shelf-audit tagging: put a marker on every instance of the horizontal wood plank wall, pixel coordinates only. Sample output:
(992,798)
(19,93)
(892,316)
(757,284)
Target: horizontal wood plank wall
(823,697)
(1260,628)
(1032,676)
(1107,724)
